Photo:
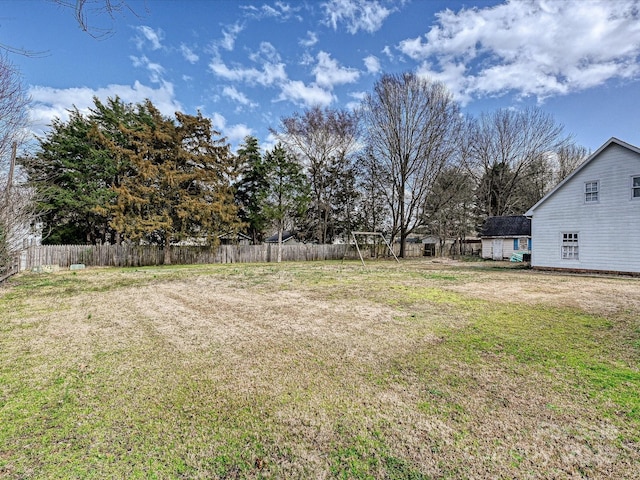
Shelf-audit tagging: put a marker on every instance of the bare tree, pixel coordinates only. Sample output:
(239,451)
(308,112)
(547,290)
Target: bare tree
(567,159)
(324,140)
(507,149)
(413,127)
(13,110)
(85,12)
(15,205)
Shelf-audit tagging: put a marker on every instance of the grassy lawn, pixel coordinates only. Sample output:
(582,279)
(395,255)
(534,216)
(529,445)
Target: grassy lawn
(319,370)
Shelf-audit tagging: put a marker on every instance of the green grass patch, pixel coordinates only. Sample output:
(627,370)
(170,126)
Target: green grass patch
(399,371)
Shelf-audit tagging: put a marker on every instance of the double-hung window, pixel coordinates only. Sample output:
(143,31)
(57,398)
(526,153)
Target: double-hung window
(591,191)
(570,245)
(635,187)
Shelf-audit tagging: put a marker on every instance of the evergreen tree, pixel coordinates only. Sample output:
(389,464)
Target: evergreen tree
(179,185)
(125,172)
(251,188)
(288,194)
(72,176)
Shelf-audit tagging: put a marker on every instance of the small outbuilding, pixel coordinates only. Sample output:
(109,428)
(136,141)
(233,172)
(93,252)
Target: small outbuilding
(506,237)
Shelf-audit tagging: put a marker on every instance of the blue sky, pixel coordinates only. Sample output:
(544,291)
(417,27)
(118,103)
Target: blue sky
(246,64)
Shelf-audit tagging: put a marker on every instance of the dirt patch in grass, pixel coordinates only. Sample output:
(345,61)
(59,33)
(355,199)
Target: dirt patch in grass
(327,370)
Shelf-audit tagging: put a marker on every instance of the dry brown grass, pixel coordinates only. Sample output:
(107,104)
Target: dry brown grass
(417,370)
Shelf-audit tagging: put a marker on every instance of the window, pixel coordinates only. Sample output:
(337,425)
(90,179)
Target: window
(570,246)
(522,244)
(635,187)
(591,192)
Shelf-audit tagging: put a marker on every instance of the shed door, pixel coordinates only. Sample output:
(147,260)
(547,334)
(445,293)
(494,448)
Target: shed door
(496,248)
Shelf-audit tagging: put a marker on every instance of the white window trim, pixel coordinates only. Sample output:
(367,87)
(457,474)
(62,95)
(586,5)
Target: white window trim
(570,245)
(597,192)
(631,187)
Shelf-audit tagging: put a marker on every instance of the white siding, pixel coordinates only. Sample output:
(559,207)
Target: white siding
(507,248)
(608,231)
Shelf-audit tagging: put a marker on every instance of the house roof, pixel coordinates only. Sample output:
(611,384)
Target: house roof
(591,158)
(238,235)
(506,226)
(286,236)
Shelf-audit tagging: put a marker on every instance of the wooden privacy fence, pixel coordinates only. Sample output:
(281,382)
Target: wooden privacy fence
(126,255)
(11,268)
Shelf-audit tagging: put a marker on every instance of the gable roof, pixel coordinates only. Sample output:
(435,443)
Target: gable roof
(506,226)
(594,155)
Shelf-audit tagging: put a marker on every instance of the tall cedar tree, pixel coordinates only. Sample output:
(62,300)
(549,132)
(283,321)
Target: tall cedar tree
(288,194)
(179,185)
(251,189)
(74,174)
(72,177)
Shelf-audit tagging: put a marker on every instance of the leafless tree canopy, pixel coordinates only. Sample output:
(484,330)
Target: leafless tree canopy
(86,11)
(413,131)
(508,147)
(15,201)
(323,139)
(13,110)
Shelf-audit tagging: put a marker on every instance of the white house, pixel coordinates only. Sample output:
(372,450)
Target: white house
(591,220)
(504,236)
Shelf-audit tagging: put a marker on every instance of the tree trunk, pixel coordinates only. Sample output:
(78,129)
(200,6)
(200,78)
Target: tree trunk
(403,241)
(280,228)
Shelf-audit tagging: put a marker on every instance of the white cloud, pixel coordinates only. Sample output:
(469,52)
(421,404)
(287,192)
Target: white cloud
(229,35)
(155,69)
(148,34)
(297,92)
(266,53)
(268,75)
(234,133)
(239,97)
(372,64)
(49,103)
(387,51)
(358,97)
(358,15)
(188,54)
(536,48)
(281,11)
(309,41)
(328,73)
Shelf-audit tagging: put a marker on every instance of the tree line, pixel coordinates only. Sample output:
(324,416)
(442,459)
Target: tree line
(407,161)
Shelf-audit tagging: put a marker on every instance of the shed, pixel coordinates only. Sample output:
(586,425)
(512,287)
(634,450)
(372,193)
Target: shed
(504,236)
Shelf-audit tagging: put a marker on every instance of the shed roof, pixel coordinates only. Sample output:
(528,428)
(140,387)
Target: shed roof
(506,226)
